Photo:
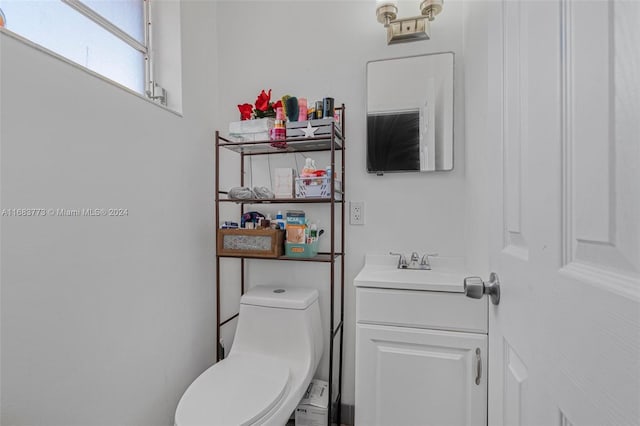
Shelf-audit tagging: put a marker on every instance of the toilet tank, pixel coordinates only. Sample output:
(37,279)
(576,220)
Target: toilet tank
(282,322)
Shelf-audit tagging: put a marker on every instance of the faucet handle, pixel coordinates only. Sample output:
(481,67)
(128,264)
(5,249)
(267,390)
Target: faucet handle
(425,258)
(402,261)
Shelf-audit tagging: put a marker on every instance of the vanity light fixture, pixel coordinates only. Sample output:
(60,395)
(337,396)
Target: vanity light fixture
(407,29)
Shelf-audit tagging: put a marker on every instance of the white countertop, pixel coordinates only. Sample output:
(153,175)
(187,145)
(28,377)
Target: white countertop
(380,271)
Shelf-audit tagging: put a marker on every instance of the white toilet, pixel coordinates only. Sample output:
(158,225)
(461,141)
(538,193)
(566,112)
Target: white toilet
(277,347)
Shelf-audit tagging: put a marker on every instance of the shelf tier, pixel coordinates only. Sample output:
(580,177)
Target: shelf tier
(293,145)
(280,201)
(320,257)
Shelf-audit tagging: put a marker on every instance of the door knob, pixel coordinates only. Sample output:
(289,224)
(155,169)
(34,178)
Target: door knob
(474,288)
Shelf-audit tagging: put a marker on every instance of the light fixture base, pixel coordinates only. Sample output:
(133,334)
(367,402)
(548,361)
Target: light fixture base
(408,29)
(430,8)
(386,13)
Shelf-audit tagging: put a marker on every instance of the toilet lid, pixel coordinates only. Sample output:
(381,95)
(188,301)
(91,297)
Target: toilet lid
(236,391)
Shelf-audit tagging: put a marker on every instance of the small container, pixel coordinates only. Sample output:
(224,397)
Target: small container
(266,222)
(329,171)
(319,110)
(313,232)
(309,167)
(250,242)
(308,188)
(327,107)
(301,250)
(280,220)
(302,108)
(279,131)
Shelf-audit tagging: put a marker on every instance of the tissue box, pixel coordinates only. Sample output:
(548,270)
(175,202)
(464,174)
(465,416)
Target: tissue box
(313,407)
(283,183)
(251,130)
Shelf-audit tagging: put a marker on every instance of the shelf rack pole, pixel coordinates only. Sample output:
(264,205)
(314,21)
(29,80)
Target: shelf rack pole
(340,326)
(242,171)
(216,224)
(332,274)
(342,261)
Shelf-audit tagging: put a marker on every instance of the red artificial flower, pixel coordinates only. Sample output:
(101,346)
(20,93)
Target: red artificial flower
(262,103)
(245,111)
(277,105)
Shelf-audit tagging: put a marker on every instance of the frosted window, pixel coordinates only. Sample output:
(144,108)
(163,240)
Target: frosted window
(57,27)
(126,14)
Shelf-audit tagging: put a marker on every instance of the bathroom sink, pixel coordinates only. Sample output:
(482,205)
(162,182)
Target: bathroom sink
(381,271)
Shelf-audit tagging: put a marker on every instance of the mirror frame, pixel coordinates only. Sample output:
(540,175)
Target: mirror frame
(453,112)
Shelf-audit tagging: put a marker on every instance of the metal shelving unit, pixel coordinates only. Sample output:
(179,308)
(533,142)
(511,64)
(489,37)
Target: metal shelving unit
(335,144)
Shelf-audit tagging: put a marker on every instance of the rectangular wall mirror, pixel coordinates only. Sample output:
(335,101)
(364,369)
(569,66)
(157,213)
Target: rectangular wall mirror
(410,114)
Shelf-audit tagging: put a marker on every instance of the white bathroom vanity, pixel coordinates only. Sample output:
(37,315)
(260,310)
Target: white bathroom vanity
(421,346)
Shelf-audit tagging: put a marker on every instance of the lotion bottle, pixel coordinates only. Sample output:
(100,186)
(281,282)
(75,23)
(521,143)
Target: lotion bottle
(309,168)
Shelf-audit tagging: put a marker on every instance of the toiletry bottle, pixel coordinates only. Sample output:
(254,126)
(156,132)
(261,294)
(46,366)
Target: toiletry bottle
(319,110)
(309,168)
(327,107)
(313,232)
(280,220)
(302,106)
(279,131)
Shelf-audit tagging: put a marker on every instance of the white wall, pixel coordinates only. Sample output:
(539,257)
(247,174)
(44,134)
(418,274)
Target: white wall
(477,162)
(105,321)
(319,49)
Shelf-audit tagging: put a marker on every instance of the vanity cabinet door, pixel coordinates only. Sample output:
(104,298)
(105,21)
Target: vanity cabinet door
(408,377)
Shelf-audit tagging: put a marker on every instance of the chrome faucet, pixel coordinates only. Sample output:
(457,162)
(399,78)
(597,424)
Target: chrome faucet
(402,261)
(424,262)
(415,261)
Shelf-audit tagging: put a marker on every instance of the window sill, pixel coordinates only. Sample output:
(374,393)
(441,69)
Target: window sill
(36,46)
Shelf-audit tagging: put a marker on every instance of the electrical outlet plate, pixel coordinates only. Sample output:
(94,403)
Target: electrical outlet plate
(356,212)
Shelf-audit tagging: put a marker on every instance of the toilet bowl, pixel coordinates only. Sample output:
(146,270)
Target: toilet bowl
(276,350)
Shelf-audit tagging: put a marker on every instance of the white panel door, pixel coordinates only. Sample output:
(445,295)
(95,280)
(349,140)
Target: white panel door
(411,377)
(564,131)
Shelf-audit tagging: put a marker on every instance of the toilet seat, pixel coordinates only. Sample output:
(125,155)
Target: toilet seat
(239,390)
